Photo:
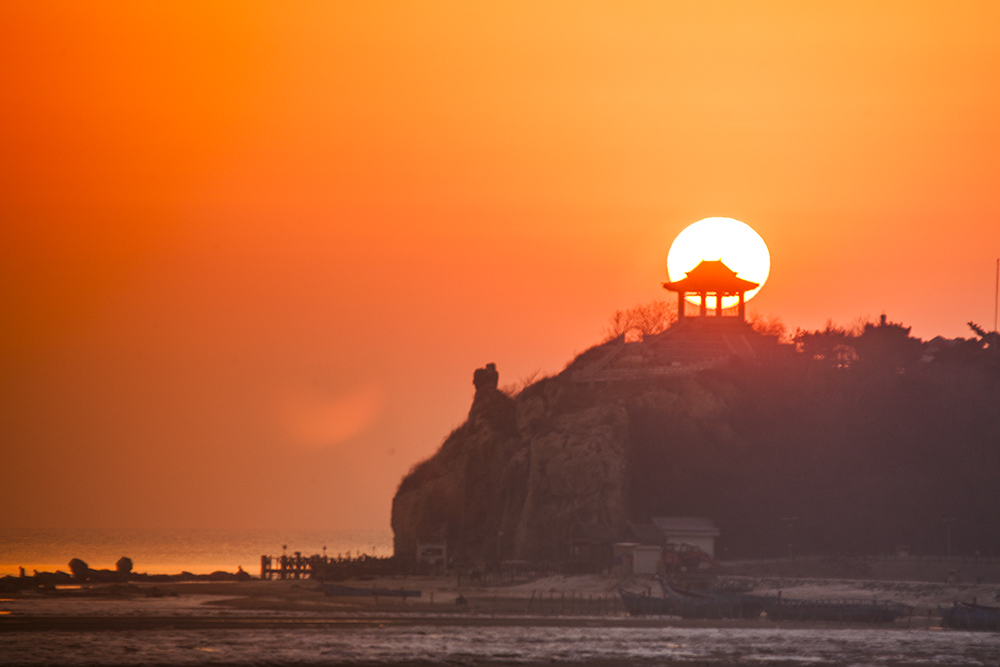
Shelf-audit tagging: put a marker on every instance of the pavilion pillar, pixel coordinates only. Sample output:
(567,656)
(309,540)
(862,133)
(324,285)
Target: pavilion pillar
(709,277)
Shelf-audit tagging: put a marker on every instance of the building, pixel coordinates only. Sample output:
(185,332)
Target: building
(432,557)
(692,343)
(711,278)
(694,530)
(634,558)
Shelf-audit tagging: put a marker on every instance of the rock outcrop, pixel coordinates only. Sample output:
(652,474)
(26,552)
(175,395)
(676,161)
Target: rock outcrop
(516,478)
(786,451)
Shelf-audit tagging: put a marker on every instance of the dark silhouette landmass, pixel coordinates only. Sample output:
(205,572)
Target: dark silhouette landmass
(836,442)
(81,573)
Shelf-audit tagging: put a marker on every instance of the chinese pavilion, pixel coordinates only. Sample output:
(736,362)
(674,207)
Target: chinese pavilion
(710,278)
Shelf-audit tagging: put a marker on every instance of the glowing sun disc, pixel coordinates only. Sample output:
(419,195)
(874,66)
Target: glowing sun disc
(734,242)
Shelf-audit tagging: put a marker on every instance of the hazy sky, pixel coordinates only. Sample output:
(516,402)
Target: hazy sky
(253,252)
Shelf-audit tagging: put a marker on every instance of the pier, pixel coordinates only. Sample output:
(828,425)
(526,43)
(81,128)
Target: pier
(295,566)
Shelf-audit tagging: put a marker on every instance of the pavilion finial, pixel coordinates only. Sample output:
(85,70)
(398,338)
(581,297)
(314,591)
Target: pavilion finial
(711,277)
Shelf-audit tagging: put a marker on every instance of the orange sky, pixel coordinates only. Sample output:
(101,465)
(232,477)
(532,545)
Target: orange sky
(253,252)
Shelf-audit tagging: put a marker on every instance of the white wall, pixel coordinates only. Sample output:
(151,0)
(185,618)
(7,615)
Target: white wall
(646,559)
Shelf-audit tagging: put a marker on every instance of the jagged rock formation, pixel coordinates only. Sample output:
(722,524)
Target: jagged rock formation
(816,450)
(517,477)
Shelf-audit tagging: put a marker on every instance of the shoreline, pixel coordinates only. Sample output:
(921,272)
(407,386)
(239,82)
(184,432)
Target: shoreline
(529,624)
(558,596)
(356,621)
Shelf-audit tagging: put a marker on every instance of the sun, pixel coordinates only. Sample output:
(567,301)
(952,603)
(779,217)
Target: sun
(734,242)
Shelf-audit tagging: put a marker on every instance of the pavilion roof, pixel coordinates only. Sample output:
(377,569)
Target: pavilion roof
(711,276)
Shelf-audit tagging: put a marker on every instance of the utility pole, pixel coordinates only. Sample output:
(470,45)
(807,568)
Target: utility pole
(948,522)
(996,297)
(996,307)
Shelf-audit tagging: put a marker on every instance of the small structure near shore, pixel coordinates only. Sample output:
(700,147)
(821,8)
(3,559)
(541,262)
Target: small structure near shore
(319,566)
(295,566)
(432,557)
(697,531)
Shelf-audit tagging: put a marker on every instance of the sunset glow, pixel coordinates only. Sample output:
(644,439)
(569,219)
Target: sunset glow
(734,242)
(253,252)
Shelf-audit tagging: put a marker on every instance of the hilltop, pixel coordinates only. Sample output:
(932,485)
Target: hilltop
(836,442)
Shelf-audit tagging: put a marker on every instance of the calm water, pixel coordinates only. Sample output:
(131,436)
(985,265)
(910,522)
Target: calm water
(170,552)
(505,645)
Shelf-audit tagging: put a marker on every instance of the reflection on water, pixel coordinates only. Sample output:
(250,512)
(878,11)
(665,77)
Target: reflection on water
(160,551)
(496,645)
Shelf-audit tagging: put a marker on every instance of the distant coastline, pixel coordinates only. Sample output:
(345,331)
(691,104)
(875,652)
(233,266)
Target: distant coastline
(199,551)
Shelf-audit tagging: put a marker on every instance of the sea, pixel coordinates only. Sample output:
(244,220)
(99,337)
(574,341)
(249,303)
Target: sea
(502,646)
(199,551)
(306,637)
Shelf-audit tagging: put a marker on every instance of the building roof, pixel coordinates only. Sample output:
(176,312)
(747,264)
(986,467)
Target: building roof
(711,276)
(646,533)
(688,525)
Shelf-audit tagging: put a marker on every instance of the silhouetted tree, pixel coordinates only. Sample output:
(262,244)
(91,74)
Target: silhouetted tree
(515,388)
(768,326)
(981,332)
(990,339)
(79,569)
(640,321)
(124,565)
(887,346)
(833,346)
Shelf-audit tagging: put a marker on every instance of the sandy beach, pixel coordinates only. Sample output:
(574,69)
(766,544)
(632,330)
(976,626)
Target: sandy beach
(575,595)
(567,619)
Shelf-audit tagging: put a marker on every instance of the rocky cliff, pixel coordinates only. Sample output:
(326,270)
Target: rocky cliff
(519,476)
(786,450)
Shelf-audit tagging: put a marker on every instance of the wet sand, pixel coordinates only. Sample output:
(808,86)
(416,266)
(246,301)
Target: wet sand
(570,620)
(564,596)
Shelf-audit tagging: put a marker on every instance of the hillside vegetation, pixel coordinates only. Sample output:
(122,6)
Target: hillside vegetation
(837,443)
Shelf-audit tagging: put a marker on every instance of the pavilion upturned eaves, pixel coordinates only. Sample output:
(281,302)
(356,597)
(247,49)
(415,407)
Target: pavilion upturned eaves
(711,277)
